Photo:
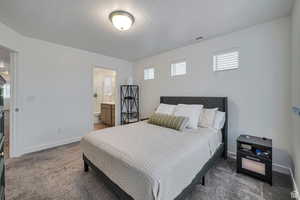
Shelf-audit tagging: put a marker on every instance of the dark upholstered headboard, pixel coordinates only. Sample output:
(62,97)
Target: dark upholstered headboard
(207,102)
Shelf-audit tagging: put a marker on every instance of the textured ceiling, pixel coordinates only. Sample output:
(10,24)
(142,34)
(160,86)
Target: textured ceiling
(160,24)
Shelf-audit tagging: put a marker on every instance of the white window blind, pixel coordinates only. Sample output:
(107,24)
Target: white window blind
(148,73)
(226,61)
(178,68)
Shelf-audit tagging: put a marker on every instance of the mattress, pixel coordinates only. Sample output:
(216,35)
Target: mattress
(150,162)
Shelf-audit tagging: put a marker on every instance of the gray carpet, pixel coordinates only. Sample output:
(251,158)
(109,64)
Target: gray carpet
(58,174)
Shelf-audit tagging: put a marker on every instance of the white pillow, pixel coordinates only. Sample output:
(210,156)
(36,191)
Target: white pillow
(167,109)
(219,120)
(190,111)
(207,117)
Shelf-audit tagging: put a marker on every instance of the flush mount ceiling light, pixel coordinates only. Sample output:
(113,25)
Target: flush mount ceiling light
(122,20)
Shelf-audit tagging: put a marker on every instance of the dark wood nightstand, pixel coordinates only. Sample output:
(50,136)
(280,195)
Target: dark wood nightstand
(254,157)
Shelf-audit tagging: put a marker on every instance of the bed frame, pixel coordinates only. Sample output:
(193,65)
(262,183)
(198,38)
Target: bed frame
(207,102)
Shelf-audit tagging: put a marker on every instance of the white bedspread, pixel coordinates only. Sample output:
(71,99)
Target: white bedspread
(150,162)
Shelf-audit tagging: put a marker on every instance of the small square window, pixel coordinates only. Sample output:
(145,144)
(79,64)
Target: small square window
(178,68)
(148,73)
(226,60)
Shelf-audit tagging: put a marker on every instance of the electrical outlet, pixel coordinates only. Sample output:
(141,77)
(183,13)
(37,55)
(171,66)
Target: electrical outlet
(294,195)
(59,130)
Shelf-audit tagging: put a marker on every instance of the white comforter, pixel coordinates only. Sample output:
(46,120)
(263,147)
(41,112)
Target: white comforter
(150,162)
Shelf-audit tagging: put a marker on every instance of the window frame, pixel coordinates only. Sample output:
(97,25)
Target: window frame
(177,62)
(146,69)
(228,51)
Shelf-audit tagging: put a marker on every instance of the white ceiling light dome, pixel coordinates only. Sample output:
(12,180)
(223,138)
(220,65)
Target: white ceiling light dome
(122,20)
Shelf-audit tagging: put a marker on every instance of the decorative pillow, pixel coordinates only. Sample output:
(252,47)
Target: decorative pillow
(192,112)
(219,120)
(168,121)
(167,109)
(207,117)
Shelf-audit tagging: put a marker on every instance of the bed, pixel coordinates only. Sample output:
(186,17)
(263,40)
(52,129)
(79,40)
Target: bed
(142,161)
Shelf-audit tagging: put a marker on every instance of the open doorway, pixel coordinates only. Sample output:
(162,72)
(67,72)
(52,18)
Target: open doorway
(5,73)
(104,97)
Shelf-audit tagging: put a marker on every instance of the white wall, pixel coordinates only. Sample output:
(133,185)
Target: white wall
(9,38)
(296,86)
(54,90)
(259,92)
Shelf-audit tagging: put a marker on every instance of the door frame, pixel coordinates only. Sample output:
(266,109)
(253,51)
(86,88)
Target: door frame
(13,103)
(13,68)
(116,92)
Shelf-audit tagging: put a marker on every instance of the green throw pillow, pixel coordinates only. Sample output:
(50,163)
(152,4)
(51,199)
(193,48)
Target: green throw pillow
(168,121)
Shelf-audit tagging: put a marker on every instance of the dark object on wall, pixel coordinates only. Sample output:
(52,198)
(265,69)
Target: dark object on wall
(208,102)
(129,104)
(108,114)
(254,157)
(296,110)
(2,163)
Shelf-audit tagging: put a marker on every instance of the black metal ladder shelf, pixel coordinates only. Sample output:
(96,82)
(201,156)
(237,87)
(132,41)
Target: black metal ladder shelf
(129,104)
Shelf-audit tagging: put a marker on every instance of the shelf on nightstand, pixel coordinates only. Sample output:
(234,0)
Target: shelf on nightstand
(254,157)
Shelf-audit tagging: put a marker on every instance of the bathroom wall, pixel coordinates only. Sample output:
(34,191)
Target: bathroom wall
(99,93)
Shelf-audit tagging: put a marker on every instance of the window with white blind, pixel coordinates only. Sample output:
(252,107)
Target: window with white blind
(226,60)
(148,73)
(178,68)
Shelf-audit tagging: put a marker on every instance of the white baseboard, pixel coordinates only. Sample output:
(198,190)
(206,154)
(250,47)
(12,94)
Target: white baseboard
(276,167)
(47,146)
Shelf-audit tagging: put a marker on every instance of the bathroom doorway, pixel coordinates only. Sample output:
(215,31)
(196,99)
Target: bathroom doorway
(104,97)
